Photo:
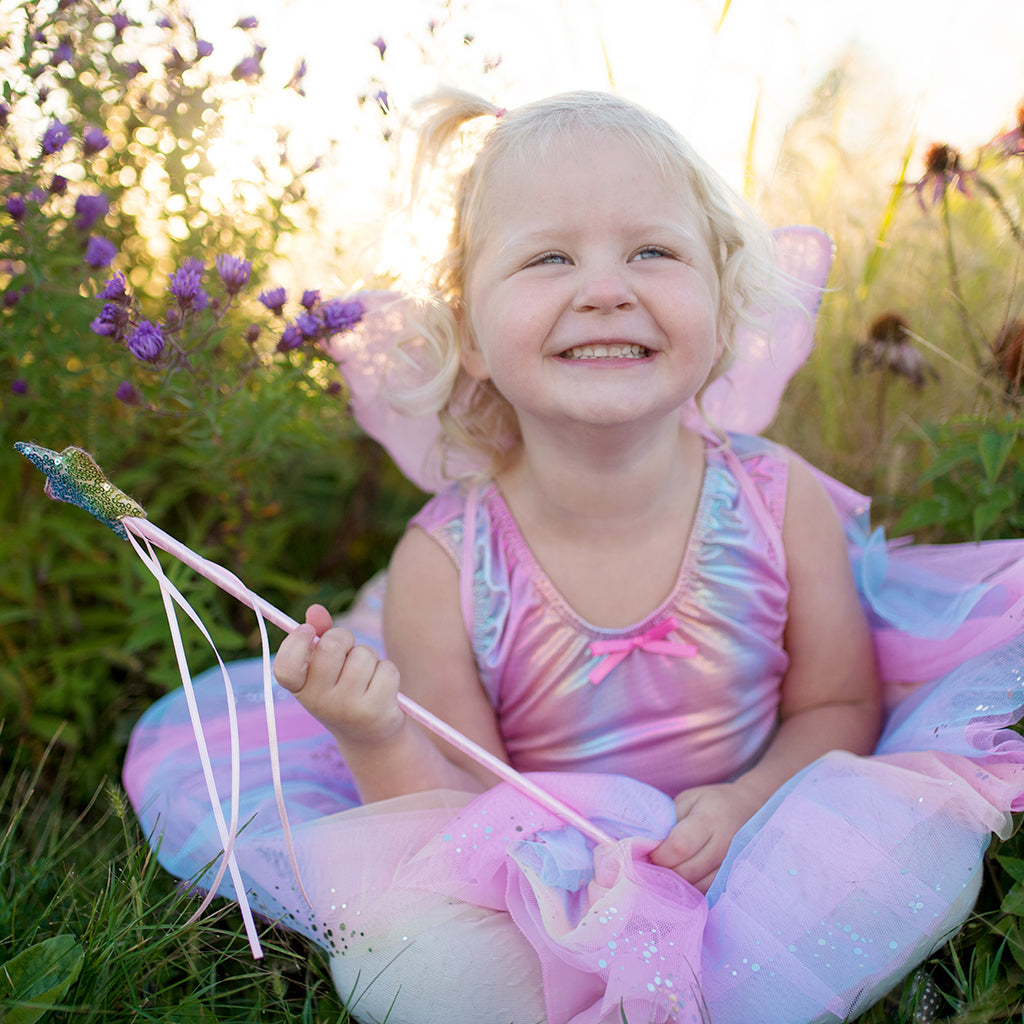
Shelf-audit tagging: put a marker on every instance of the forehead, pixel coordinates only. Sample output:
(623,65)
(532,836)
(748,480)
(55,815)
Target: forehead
(586,175)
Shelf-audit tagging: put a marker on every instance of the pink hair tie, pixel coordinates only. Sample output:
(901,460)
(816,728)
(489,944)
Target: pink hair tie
(500,112)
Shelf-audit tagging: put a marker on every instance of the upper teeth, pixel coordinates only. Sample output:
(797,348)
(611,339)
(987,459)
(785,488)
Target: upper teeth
(606,352)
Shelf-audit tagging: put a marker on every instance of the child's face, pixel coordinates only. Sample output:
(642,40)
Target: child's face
(594,296)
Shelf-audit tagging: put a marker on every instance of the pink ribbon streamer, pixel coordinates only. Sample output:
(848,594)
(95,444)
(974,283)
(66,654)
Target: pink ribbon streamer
(653,640)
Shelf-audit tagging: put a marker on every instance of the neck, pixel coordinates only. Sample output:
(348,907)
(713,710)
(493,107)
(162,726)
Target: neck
(604,477)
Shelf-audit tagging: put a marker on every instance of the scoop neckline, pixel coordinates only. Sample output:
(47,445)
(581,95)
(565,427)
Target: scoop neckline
(497,504)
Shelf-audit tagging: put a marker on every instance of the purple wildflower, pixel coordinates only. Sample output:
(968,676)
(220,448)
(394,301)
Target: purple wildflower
(12,298)
(246,68)
(339,315)
(19,386)
(381,45)
(99,251)
(310,298)
(15,206)
(165,21)
(186,285)
(291,338)
(248,23)
(274,299)
(126,393)
(383,102)
(203,48)
(252,333)
(90,209)
(5,113)
(94,140)
(58,185)
(942,170)
(111,322)
(121,21)
(64,52)
(146,342)
(133,68)
(234,272)
(298,77)
(309,324)
(56,137)
(116,289)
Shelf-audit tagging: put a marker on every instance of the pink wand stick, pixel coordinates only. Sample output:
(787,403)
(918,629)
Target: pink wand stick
(229,583)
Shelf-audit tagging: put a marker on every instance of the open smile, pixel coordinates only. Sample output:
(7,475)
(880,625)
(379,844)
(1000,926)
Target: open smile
(610,351)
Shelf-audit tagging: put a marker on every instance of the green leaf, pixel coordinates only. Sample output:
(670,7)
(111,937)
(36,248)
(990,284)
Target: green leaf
(1013,901)
(35,980)
(995,450)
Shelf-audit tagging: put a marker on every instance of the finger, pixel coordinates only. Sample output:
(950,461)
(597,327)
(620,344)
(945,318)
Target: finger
(319,618)
(685,842)
(292,658)
(329,656)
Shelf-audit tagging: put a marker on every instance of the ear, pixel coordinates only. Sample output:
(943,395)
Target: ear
(470,356)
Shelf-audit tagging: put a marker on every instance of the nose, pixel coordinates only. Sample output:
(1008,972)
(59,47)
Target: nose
(603,290)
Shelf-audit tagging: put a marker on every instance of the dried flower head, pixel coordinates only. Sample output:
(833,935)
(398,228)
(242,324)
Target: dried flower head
(889,347)
(1012,142)
(942,170)
(1008,353)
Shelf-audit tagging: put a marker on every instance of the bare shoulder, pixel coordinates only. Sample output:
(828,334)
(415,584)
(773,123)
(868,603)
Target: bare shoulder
(827,636)
(427,639)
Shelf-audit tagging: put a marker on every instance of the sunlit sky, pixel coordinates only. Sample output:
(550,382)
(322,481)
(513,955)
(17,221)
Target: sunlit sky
(932,69)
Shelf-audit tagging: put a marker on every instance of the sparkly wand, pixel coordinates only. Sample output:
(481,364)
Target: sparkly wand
(73,476)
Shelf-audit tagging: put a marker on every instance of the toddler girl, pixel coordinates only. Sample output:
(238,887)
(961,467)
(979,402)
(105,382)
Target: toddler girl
(662,614)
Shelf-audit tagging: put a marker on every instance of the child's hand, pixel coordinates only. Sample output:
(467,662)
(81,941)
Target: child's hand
(344,686)
(707,819)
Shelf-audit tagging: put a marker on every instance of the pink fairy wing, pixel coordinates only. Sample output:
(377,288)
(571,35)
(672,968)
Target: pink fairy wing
(744,400)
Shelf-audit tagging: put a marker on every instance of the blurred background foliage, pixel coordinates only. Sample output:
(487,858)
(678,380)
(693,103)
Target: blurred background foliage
(240,445)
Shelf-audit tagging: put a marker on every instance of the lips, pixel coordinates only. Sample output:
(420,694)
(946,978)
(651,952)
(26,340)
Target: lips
(614,350)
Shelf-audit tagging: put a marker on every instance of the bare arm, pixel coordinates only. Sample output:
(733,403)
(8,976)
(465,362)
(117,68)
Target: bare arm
(830,696)
(354,695)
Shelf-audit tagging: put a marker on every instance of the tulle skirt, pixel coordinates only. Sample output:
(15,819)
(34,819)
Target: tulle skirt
(447,907)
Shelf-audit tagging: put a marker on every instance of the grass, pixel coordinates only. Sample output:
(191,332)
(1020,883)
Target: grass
(92,929)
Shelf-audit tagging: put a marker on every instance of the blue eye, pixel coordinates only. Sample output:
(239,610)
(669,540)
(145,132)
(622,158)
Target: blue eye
(651,252)
(553,258)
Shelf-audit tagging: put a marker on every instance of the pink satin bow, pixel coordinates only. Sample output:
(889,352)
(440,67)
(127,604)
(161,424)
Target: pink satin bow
(653,640)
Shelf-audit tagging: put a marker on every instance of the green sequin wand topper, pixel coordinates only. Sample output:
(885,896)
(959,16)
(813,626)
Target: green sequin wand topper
(73,476)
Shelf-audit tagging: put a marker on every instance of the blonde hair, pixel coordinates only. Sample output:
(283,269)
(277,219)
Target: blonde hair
(475,417)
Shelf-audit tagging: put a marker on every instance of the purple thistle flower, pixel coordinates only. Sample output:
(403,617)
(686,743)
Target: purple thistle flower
(94,140)
(56,137)
(5,113)
(120,21)
(90,209)
(310,298)
(234,272)
(111,322)
(19,386)
(291,338)
(99,251)
(339,315)
(309,324)
(115,289)
(186,285)
(203,48)
(15,206)
(248,23)
(274,299)
(126,393)
(381,45)
(146,342)
(58,185)
(64,52)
